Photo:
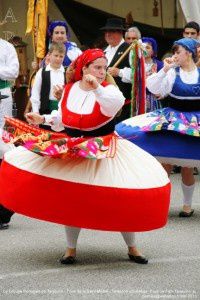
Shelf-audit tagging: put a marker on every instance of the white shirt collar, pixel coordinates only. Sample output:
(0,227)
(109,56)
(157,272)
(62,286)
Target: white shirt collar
(49,68)
(115,47)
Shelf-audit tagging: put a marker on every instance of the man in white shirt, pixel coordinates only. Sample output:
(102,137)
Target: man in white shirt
(9,69)
(113,33)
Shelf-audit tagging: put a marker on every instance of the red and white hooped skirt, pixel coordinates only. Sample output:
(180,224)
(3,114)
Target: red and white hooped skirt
(130,192)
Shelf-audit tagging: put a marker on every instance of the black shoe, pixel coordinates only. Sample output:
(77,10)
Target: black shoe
(4,226)
(69,260)
(138,259)
(5,214)
(184,214)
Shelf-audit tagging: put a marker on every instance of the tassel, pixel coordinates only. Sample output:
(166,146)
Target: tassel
(138,93)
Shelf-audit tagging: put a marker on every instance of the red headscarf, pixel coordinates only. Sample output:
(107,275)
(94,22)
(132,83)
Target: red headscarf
(85,58)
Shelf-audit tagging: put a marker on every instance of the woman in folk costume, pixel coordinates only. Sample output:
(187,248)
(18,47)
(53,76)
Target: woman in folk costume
(152,65)
(58,32)
(102,182)
(172,134)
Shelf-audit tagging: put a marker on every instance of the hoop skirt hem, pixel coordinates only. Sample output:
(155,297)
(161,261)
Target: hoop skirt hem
(129,192)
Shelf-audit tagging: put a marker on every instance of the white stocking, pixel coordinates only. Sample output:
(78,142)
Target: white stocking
(72,234)
(129,238)
(188,191)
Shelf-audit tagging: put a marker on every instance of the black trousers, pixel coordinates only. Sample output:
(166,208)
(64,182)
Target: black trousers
(5,214)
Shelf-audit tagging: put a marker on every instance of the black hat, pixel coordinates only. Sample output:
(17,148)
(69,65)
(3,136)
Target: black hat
(3,96)
(114,24)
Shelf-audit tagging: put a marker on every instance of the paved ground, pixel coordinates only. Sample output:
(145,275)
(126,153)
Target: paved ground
(30,249)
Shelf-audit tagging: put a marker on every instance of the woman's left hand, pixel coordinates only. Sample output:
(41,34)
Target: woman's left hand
(91,81)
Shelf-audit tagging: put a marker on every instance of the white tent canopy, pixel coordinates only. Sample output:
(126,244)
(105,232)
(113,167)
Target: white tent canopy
(191,10)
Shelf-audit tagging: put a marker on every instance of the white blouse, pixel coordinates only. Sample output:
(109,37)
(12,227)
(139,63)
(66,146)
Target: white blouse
(162,82)
(110,99)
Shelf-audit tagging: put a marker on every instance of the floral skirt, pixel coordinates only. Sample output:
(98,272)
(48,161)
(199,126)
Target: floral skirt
(169,135)
(128,191)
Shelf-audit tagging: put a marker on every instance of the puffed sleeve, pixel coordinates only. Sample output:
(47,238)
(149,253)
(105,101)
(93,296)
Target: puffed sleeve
(10,69)
(110,99)
(161,83)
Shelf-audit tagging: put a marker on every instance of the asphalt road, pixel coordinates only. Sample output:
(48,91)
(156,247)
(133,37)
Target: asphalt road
(30,249)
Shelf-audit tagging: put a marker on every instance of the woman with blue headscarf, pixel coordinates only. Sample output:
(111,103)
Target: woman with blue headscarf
(59,33)
(172,134)
(152,65)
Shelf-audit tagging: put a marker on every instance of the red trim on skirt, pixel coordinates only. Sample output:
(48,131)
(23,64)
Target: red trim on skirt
(83,205)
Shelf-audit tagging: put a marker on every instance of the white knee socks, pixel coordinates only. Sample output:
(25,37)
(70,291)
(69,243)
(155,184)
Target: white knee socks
(188,191)
(72,234)
(129,238)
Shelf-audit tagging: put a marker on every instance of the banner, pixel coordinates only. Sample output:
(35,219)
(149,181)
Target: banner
(37,25)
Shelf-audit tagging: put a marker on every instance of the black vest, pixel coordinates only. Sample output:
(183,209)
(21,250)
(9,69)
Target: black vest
(45,91)
(125,88)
